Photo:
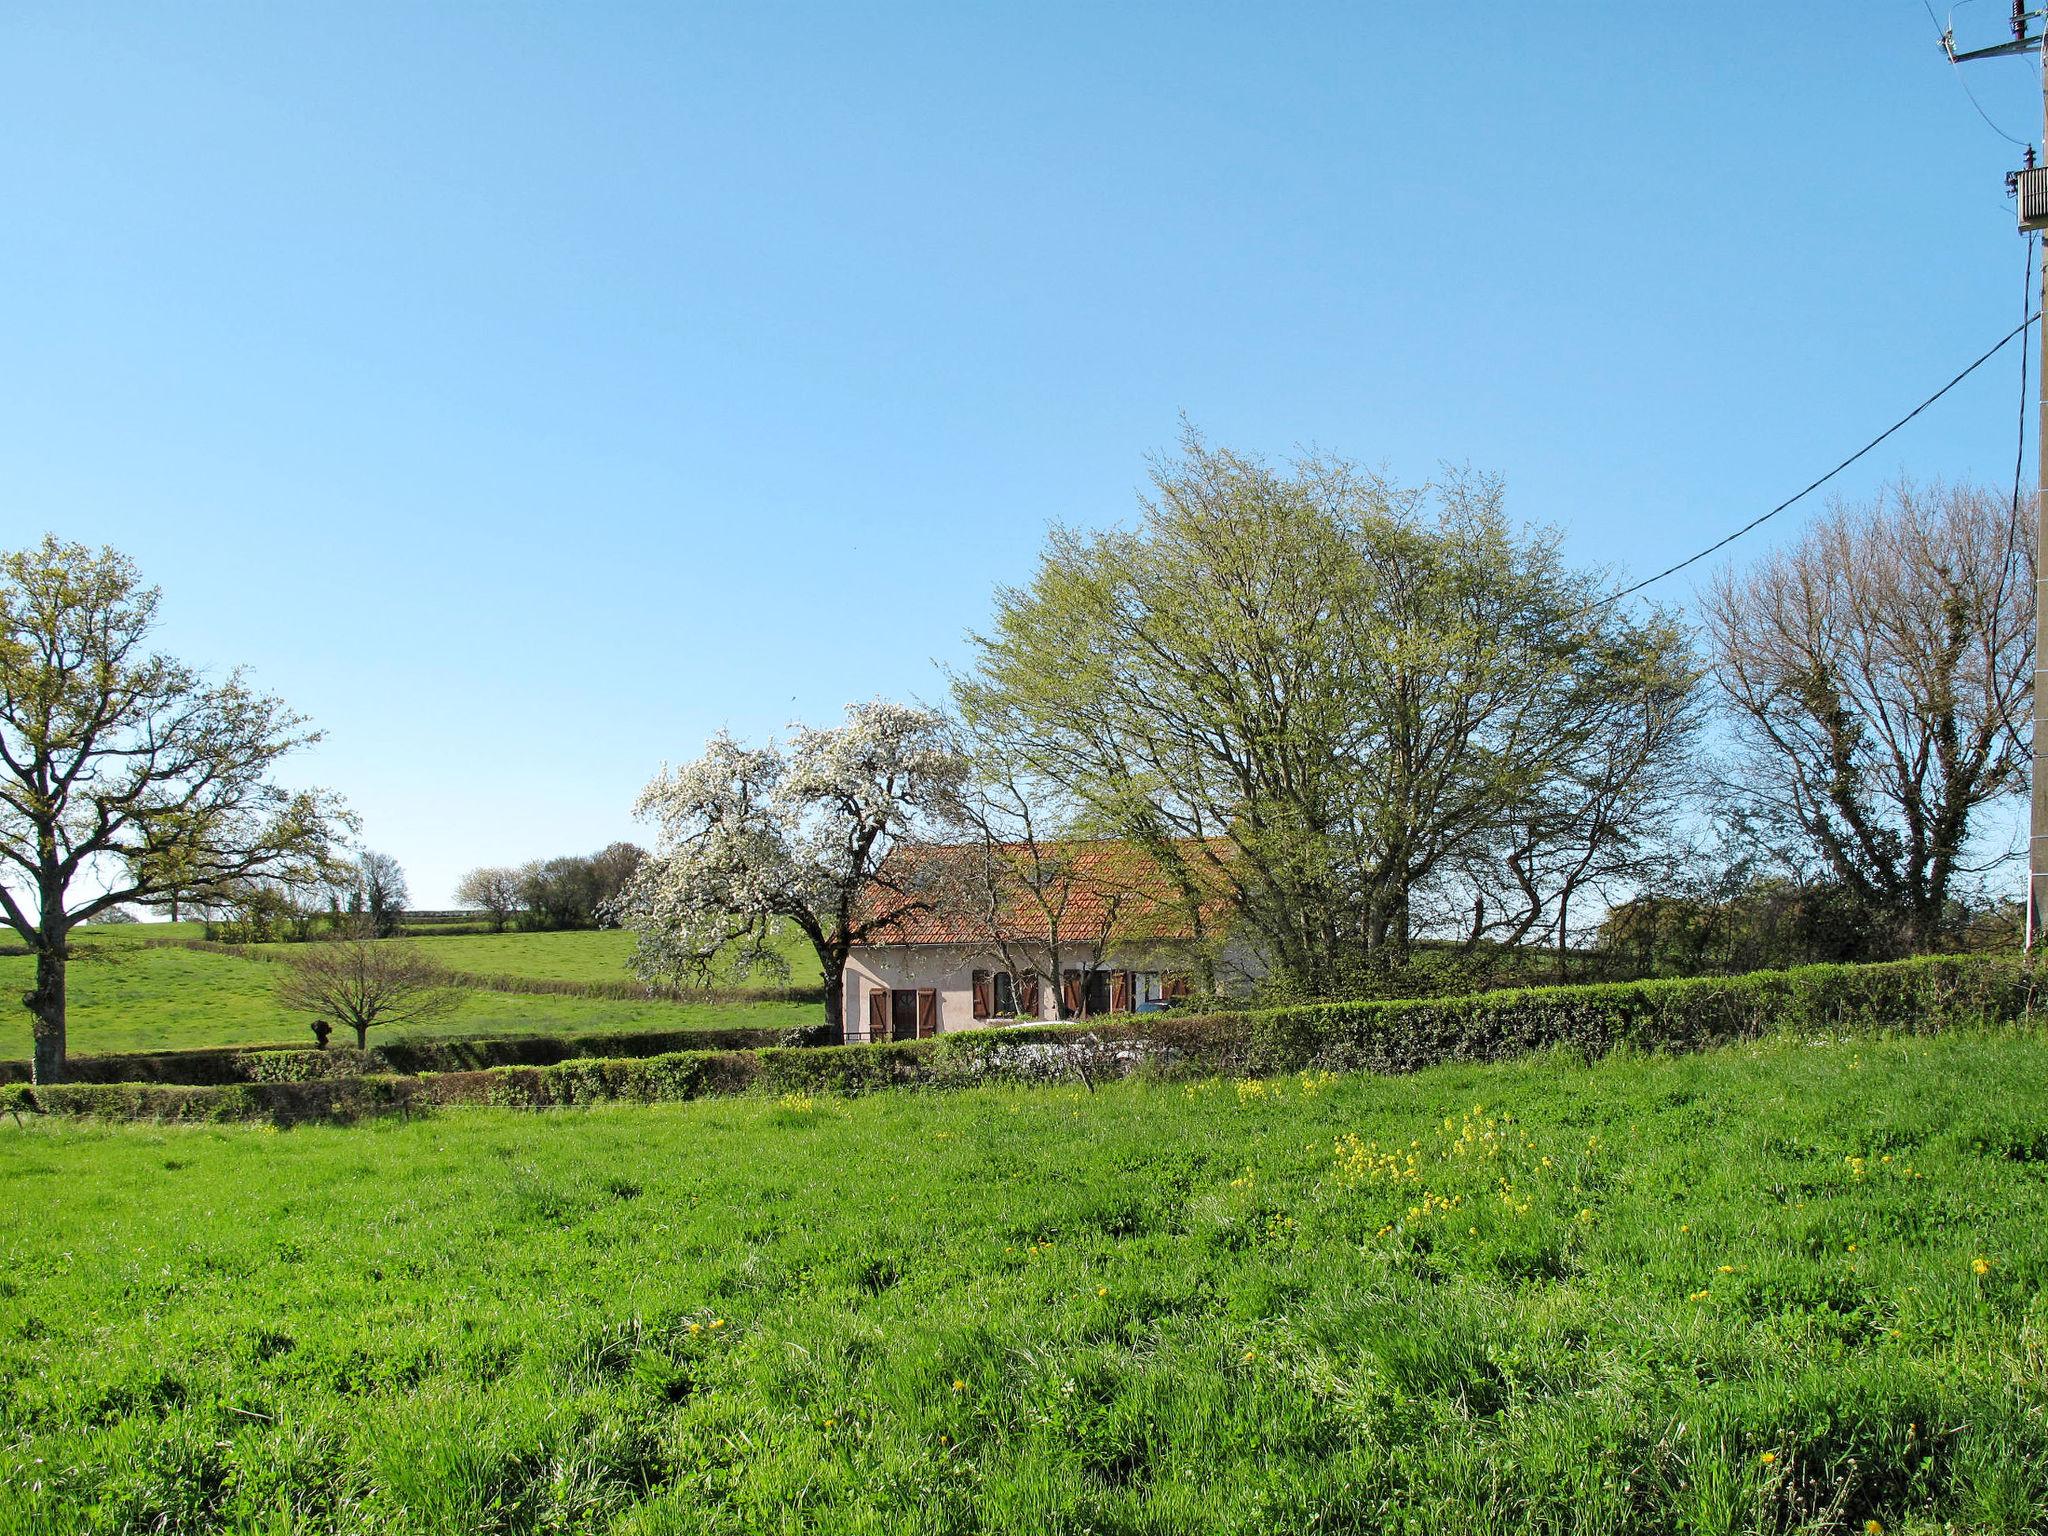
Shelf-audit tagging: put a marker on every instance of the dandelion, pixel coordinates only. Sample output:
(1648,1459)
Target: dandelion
(1769,1457)
(1102,1290)
(1981,1266)
(1727,1269)
(1873,1528)
(1698,1296)
(1250,1355)
(718,1322)
(959,1385)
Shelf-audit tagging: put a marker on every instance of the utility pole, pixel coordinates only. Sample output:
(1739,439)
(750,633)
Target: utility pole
(2031,187)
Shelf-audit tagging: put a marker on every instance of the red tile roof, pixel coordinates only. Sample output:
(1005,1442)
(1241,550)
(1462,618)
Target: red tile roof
(1099,888)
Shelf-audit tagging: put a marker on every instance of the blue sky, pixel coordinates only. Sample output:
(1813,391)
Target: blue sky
(526,391)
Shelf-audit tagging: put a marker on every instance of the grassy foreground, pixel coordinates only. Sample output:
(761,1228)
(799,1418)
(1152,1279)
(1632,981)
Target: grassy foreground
(125,995)
(1784,1287)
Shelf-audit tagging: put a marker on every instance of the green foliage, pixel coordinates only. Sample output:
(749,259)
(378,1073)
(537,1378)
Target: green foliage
(397,1056)
(1586,1022)
(1732,1292)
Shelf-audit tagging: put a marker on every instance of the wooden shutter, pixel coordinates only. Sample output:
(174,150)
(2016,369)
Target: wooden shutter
(927,1012)
(1071,993)
(1027,995)
(982,1005)
(1176,986)
(1120,992)
(878,1014)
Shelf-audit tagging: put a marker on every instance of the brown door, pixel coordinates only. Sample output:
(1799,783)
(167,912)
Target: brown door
(903,1014)
(1120,992)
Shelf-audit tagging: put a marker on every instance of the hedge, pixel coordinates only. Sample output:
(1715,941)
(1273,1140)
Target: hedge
(1917,995)
(337,1099)
(291,1064)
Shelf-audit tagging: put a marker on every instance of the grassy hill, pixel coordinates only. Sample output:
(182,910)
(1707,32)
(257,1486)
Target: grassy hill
(127,993)
(1787,1287)
(591,956)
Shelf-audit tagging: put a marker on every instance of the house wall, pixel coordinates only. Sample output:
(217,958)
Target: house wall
(949,970)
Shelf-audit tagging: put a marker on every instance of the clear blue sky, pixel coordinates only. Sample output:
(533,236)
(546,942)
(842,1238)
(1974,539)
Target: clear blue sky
(526,391)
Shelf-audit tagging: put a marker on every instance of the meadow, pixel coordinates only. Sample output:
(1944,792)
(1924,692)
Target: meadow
(1789,1286)
(128,993)
(592,955)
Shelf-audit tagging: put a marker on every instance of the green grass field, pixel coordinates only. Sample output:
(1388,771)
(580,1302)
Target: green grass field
(1787,1287)
(126,995)
(586,955)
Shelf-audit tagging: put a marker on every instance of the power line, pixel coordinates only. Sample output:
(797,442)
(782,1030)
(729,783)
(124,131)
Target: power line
(2012,521)
(1964,80)
(1758,522)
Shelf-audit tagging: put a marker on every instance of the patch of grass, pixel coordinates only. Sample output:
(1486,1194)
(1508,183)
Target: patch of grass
(1782,1287)
(125,996)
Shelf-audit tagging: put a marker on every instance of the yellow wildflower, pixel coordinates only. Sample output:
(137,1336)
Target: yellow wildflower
(959,1385)
(1769,1457)
(1981,1266)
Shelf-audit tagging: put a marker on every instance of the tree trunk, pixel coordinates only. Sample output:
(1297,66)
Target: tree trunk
(362,1037)
(835,1000)
(46,1010)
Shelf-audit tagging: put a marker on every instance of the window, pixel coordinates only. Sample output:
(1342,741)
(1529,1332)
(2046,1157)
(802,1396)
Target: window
(1006,995)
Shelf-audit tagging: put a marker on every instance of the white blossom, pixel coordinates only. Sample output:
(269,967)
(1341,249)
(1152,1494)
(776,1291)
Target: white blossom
(746,836)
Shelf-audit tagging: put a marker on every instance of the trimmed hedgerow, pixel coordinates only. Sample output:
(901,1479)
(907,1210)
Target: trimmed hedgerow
(288,1064)
(1391,1037)
(346,1098)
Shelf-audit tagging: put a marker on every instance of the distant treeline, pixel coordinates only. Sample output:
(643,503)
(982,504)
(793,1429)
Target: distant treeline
(572,891)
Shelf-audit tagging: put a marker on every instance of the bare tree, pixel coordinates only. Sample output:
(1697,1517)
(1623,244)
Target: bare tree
(363,982)
(1878,673)
(493,890)
(1613,817)
(127,776)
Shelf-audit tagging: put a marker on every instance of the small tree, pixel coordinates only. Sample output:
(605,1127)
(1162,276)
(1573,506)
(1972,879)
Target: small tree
(126,776)
(492,890)
(380,892)
(802,833)
(363,982)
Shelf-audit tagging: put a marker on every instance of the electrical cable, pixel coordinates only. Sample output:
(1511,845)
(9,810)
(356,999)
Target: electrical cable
(1964,80)
(1800,495)
(2012,521)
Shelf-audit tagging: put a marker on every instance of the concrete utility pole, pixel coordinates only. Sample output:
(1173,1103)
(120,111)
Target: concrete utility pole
(2031,187)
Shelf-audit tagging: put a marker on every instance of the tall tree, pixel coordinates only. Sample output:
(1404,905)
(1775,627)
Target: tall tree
(801,833)
(125,775)
(1307,686)
(1880,675)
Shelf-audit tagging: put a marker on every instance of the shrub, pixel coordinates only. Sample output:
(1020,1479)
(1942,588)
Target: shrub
(293,1065)
(1914,995)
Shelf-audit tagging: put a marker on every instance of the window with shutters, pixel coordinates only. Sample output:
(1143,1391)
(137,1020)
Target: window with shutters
(1006,995)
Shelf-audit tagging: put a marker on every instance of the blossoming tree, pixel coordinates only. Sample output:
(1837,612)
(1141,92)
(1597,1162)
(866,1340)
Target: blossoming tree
(799,833)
